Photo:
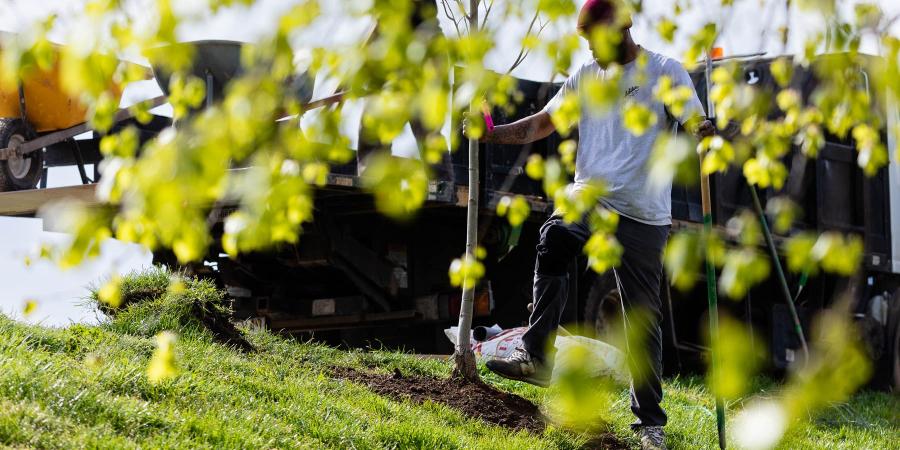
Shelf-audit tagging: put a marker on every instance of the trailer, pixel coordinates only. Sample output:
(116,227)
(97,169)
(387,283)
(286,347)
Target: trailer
(357,278)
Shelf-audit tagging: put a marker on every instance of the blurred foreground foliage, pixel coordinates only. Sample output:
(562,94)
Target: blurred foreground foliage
(406,70)
(162,195)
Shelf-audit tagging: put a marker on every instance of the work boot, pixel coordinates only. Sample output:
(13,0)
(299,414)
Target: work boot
(652,438)
(521,366)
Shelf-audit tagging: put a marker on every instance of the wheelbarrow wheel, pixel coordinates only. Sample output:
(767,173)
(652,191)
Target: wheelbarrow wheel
(22,172)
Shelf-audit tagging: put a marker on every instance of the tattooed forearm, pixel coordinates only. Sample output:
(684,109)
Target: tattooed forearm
(514,133)
(523,131)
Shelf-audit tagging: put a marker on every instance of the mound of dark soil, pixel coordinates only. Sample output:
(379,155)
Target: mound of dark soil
(473,399)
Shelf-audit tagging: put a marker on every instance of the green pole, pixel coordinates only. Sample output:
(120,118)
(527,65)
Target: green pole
(711,292)
(782,281)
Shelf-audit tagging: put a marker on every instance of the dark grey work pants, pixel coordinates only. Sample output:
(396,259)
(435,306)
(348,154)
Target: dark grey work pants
(638,279)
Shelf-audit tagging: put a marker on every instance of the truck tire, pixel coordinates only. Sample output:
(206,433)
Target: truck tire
(603,306)
(19,172)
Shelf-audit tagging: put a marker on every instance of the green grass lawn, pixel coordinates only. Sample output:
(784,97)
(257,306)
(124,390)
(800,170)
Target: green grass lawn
(86,387)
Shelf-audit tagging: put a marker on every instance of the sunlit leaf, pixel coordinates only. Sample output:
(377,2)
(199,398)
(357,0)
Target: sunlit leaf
(666,29)
(700,42)
(567,152)
(798,249)
(686,251)
(872,153)
(555,178)
(400,185)
(316,173)
(603,251)
(837,368)
(434,102)
(556,8)
(738,358)
(163,363)
(743,268)
(534,167)
(637,118)
(516,209)
(29,307)
(718,154)
(838,253)
(673,158)
(574,201)
(675,98)
(811,140)
(111,293)
(176,285)
(764,172)
(123,144)
(605,43)
(822,6)
(579,399)
(465,272)
(185,94)
(744,228)
(784,211)
(602,94)
(782,70)
(567,115)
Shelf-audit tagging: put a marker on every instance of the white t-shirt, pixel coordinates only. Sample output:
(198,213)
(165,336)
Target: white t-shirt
(607,151)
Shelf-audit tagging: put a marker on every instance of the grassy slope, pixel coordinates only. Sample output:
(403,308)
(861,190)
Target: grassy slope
(281,397)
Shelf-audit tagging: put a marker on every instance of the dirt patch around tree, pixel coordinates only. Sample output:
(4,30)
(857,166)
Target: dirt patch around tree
(472,399)
(479,400)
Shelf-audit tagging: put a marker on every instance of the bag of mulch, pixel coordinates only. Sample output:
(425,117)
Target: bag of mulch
(491,342)
(603,360)
(595,357)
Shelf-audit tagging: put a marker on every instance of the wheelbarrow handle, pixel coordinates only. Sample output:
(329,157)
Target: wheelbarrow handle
(61,135)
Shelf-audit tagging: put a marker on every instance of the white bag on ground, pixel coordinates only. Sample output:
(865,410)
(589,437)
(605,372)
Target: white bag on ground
(606,360)
(500,345)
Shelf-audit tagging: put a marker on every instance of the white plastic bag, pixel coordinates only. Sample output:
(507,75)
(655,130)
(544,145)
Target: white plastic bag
(606,360)
(500,345)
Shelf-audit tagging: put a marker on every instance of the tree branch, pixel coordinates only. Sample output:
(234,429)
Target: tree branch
(462,9)
(448,12)
(487,12)
(523,53)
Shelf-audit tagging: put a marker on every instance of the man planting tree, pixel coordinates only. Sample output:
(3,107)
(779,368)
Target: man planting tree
(607,151)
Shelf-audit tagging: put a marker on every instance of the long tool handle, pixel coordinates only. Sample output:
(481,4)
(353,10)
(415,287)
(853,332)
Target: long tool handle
(711,292)
(782,281)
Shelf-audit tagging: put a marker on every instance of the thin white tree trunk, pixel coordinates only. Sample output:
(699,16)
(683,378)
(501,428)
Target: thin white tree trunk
(465,358)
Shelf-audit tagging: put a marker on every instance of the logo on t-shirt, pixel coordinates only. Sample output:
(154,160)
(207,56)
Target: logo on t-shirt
(631,91)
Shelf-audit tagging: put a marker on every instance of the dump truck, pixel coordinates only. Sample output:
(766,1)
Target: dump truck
(358,278)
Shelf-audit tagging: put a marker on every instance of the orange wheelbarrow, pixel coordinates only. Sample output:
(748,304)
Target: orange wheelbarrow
(38,124)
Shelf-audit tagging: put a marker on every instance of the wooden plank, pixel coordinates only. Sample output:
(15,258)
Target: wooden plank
(27,203)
